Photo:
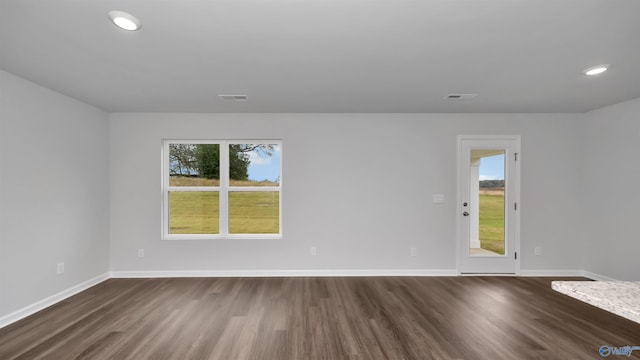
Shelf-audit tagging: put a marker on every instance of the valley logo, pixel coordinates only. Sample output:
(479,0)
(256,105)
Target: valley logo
(606,350)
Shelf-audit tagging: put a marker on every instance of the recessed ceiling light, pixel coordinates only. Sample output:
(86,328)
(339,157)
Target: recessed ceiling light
(124,20)
(595,70)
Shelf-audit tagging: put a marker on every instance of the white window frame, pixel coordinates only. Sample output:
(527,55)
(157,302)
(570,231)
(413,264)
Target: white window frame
(224,189)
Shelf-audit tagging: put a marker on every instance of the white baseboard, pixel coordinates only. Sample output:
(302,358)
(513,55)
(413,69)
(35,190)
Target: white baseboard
(279,273)
(565,273)
(552,273)
(598,277)
(51,300)
(339,273)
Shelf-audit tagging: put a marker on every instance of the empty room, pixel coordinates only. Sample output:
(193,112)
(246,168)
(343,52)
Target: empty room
(319,179)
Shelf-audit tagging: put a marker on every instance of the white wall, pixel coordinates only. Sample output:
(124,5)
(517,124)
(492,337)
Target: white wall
(357,186)
(54,193)
(611,191)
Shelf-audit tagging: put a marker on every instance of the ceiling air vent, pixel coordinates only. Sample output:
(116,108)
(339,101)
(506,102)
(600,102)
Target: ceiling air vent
(234,97)
(461,96)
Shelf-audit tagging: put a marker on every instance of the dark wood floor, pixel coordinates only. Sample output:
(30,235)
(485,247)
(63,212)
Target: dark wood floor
(319,318)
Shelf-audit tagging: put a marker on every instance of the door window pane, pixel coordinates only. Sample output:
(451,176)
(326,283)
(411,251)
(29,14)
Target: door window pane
(487,196)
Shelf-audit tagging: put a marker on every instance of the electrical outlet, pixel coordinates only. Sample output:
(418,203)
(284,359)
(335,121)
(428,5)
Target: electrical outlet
(538,251)
(140,253)
(60,268)
(414,252)
(313,251)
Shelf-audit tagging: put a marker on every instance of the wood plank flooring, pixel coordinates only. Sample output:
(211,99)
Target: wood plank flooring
(319,318)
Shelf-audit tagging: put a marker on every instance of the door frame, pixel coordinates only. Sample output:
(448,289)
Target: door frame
(461,160)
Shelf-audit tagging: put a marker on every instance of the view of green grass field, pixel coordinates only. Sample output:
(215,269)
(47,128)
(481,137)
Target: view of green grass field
(255,212)
(492,222)
(198,212)
(194,212)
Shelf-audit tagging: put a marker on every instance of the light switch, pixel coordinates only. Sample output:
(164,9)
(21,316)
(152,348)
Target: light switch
(438,198)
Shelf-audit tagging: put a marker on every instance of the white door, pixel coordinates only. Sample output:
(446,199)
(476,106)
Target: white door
(488,195)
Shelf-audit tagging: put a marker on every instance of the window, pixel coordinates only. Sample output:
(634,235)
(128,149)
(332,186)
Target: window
(221,189)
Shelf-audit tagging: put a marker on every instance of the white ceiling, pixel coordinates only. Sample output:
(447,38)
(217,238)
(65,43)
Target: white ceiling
(328,55)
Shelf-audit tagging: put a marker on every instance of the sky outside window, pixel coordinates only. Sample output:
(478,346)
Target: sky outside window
(263,166)
(492,168)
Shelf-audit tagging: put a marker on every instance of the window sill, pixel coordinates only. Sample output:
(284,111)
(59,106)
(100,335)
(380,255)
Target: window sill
(220,237)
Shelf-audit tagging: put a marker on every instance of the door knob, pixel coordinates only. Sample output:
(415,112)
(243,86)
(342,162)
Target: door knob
(465,204)
(465,213)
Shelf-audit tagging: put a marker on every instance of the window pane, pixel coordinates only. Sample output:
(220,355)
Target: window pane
(194,165)
(254,212)
(254,165)
(196,212)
